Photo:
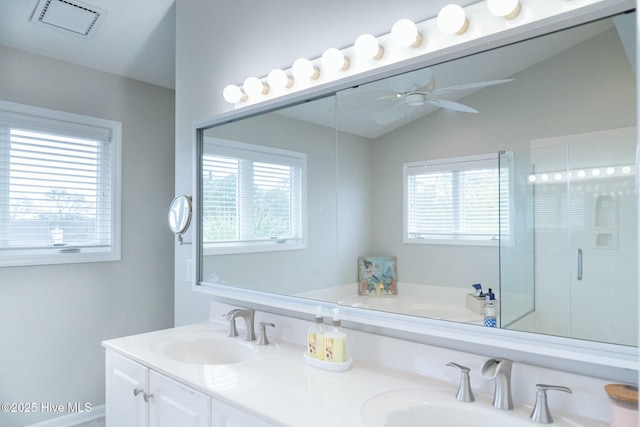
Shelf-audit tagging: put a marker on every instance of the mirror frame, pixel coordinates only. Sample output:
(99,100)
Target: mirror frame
(602,360)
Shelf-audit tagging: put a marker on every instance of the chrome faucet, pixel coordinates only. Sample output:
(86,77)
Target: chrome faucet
(248,315)
(500,371)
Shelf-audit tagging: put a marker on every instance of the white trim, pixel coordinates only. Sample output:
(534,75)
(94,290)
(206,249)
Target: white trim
(73,419)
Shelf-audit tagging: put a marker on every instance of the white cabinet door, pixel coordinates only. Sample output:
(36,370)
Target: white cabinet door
(172,404)
(126,383)
(223,415)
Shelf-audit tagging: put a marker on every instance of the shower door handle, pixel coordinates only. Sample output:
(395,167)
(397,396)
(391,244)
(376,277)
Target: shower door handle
(579,264)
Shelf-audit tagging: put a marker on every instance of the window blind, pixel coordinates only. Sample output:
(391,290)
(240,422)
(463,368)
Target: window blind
(453,200)
(56,188)
(251,196)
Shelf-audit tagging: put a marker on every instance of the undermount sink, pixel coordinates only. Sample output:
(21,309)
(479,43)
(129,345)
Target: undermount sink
(207,351)
(434,408)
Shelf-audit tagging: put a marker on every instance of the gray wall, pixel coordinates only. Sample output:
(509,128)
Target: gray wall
(53,318)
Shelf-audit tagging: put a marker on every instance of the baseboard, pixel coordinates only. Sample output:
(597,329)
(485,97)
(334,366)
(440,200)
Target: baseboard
(73,419)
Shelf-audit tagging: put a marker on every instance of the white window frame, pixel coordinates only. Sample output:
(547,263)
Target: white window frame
(47,120)
(446,165)
(260,153)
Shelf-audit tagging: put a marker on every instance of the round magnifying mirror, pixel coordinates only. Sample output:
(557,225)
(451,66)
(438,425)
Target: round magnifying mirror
(180,214)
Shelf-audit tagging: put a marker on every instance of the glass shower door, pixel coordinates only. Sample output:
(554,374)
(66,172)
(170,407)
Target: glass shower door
(569,259)
(604,239)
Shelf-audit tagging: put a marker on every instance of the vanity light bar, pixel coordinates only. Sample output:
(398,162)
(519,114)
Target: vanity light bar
(453,26)
(582,174)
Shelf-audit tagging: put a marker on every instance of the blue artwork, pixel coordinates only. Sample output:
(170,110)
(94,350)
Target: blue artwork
(377,276)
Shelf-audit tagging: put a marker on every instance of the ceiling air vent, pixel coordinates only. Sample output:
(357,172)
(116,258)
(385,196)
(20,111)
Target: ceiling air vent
(79,18)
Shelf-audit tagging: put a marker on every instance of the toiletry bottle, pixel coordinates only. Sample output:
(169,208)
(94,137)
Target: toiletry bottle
(335,346)
(316,336)
(490,318)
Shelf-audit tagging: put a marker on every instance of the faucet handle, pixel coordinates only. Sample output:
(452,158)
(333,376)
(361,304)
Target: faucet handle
(262,339)
(465,394)
(541,413)
(232,331)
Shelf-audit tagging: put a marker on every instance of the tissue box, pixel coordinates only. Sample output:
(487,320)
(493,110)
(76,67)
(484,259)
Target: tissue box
(476,304)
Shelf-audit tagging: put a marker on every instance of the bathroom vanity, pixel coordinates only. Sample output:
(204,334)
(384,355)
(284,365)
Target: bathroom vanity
(196,375)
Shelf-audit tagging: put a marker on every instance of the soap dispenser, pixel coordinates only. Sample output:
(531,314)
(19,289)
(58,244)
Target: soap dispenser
(490,317)
(335,340)
(316,336)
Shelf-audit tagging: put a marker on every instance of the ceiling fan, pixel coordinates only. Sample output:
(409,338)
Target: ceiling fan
(409,95)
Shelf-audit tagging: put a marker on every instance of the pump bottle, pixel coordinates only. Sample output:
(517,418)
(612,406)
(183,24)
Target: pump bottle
(335,341)
(316,337)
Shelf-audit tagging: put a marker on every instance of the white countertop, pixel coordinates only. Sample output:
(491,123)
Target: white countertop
(278,386)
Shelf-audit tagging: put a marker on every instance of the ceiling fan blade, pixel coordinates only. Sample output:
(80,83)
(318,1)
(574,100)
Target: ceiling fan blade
(467,86)
(392,97)
(450,105)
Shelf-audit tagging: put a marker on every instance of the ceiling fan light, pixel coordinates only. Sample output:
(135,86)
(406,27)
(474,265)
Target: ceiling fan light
(233,94)
(405,33)
(334,60)
(303,69)
(508,9)
(452,20)
(367,47)
(279,79)
(415,99)
(253,86)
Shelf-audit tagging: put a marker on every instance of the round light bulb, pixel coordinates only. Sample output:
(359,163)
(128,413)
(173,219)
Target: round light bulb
(304,69)
(611,170)
(334,60)
(544,177)
(626,169)
(595,172)
(508,9)
(452,19)
(532,178)
(557,176)
(279,79)
(367,47)
(405,33)
(253,86)
(233,94)
(581,174)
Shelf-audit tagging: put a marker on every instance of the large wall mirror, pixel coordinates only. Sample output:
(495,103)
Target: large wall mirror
(512,168)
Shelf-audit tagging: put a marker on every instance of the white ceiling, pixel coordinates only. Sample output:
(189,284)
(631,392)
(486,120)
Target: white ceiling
(135,38)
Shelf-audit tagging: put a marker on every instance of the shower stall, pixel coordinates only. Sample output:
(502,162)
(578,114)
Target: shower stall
(569,237)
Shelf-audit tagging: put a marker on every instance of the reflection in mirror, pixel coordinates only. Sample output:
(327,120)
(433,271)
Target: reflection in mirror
(434,169)
(269,202)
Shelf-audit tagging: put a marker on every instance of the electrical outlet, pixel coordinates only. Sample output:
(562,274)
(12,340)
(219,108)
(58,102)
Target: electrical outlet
(189,270)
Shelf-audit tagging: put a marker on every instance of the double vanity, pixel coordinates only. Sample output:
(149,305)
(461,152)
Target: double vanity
(197,375)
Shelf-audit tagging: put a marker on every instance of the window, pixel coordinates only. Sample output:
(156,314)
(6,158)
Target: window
(252,198)
(455,201)
(59,187)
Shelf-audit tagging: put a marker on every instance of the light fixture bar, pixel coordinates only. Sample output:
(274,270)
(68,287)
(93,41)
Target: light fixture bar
(464,30)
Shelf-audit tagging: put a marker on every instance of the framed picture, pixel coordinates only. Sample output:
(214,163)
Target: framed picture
(377,276)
